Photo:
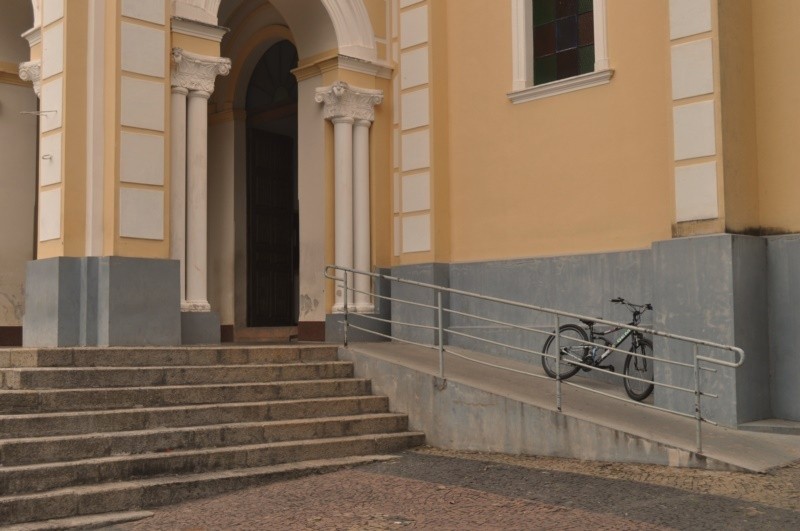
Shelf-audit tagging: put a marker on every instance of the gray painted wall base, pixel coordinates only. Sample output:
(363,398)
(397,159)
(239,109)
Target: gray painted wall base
(101,301)
(783,279)
(580,284)
(714,288)
(334,328)
(726,288)
(438,274)
(200,328)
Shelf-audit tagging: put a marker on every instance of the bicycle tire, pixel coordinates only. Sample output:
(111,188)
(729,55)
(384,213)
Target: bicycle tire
(568,333)
(639,367)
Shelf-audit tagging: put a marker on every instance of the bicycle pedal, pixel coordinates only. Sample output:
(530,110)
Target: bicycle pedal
(609,368)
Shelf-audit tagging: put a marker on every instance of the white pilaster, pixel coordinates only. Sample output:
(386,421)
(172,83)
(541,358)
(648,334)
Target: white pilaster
(196,74)
(177,202)
(347,106)
(361,219)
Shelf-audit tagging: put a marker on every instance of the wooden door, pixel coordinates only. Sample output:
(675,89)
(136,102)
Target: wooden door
(271,230)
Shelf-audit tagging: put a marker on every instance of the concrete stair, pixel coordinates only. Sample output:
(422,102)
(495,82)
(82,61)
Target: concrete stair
(87,431)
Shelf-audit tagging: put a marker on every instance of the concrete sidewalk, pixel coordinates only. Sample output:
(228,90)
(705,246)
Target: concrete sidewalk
(722,447)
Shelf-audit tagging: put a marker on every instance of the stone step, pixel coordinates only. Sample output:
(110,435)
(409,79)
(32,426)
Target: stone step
(28,451)
(43,477)
(82,377)
(57,400)
(156,356)
(85,422)
(92,521)
(153,492)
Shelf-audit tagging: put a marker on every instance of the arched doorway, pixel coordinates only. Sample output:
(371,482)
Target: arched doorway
(324,33)
(272,199)
(18,177)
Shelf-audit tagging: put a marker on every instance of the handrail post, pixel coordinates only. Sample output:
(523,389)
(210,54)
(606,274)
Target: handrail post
(558,363)
(697,415)
(441,333)
(346,320)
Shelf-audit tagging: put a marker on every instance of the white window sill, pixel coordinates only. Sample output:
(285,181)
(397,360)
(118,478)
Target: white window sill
(562,86)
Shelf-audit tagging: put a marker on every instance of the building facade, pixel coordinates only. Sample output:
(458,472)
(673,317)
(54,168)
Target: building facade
(198,163)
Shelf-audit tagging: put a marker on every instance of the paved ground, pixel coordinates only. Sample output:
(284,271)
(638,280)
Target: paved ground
(436,489)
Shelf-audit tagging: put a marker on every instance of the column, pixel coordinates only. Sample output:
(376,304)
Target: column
(343,203)
(352,111)
(197,202)
(196,75)
(361,218)
(177,201)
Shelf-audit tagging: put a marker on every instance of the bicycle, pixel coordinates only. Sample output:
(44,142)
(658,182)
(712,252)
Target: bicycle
(592,349)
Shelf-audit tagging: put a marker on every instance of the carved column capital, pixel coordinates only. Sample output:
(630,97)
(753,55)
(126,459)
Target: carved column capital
(197,72)
(343,101)
(32,71)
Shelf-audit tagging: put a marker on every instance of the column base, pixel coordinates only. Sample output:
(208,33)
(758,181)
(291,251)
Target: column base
(364,307)
(200,328)
(102,301)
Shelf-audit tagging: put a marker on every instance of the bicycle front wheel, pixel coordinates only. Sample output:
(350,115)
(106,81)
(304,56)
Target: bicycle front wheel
(573,347)
(640,367)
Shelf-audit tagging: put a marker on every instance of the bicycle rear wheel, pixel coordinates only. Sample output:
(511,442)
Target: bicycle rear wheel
(640,367)
(573,347)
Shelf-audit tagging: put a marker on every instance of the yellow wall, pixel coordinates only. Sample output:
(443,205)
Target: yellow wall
(777,77)
(587,171)
(738,115)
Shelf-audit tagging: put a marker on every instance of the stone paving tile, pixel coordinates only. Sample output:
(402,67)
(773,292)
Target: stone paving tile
(437,489)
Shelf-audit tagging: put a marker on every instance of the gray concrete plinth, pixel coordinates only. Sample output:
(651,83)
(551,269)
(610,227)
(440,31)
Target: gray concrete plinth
(714,288)
(101,301)
(784,324)
(200,328)
(334,328)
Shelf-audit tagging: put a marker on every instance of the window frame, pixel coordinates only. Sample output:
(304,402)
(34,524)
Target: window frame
(522,87)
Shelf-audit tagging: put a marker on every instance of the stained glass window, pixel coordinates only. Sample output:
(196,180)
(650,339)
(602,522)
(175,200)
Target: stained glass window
(563,39)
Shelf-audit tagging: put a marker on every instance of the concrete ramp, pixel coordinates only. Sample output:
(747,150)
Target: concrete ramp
(482,408)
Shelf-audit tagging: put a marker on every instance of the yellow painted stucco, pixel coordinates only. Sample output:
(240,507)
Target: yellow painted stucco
(777,77)
(738,115)
(587,171)
(195,44)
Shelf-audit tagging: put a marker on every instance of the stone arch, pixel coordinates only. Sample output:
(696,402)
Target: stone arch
(233,89)
(347,28)
(37,12)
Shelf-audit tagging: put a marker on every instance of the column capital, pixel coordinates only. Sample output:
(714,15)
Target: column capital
(343,101)
(32,71)
(197,72)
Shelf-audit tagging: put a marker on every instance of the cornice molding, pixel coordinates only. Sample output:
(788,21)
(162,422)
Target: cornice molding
(195,28)
(343,101)
(343,62)
(33,36)
(197,72)
(32,71)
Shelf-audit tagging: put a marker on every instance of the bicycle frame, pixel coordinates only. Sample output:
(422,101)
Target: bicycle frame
(621,339)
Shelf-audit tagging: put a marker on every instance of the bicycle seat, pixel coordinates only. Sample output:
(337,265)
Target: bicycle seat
(589,323)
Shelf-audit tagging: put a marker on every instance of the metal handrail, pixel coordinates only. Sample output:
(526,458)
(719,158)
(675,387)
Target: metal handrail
(558,315)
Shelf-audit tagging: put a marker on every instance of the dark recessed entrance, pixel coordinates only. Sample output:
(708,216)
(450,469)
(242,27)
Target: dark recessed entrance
(272,202)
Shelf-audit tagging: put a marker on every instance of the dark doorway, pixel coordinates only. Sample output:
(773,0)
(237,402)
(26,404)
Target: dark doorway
(272,202)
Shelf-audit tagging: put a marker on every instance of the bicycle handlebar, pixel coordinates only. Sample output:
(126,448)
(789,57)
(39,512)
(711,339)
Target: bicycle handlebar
(641,307)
